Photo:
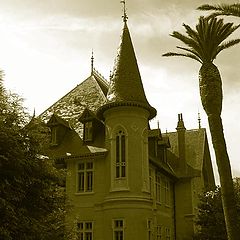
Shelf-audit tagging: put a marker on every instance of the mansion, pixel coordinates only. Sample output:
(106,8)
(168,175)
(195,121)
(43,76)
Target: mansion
(126,181)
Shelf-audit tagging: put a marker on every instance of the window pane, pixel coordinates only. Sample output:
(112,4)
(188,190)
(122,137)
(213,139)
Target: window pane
(89,181)
(88,225)
(81,166)
(88,236)
(88,131)
(81,181)
(117,150)
(89,165)
(80,226)
(117,172)
(54,135)
(80,236)
(123,148)
(123,171)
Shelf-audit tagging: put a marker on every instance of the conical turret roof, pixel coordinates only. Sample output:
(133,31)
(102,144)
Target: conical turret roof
(126,88)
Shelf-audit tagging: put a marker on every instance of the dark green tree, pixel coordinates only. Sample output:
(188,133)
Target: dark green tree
(32,201)
(210,218)
(203,44)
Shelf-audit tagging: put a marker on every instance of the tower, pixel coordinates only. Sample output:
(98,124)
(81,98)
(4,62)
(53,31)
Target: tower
(126,114)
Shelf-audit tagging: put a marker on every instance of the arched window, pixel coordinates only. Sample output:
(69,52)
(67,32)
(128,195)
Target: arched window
(120,154)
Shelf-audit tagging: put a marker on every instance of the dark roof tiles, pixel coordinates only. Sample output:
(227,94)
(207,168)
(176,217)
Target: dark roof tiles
(90,93)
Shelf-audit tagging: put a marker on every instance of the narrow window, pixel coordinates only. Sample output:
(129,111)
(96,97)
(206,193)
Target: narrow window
(158,186)
(120,155)
(118,229)
(166,192)
(85,230)
(151,181)
(85,176)
(150,229)
(168,234)
(88,131)
(54,135)
(159,232)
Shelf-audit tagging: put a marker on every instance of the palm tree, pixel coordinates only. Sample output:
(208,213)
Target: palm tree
(222,9)
(203,45)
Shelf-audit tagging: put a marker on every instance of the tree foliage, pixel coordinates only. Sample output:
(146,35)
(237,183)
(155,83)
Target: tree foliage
(210,218)
(31,197)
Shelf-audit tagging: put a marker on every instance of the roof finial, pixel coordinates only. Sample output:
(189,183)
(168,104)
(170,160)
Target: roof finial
(199,120)
(158,124)
(92,61)
(125,17)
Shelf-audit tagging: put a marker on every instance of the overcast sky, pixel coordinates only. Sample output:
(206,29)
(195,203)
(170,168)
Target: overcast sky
(45,51)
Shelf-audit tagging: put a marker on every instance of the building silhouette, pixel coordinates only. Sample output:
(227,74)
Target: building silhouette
(124,180)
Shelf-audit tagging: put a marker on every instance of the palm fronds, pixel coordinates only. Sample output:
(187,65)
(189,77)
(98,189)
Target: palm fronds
(206,40)
(221,9)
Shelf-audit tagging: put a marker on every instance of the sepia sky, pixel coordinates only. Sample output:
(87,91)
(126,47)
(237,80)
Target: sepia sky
(45,51)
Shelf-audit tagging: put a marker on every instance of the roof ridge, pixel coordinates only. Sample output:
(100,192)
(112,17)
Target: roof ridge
(101,77)
(101,82)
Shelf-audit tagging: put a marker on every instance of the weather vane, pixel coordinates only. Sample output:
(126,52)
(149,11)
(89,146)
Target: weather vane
(125,17)
(92,62)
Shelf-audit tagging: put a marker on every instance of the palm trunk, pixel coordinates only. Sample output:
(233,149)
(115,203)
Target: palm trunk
(224,169)
(211,95)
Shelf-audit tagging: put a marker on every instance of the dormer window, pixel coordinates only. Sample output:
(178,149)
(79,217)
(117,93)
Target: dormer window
(58,127)
(88,131)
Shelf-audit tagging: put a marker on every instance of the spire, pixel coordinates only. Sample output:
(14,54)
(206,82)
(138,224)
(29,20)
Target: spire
(199,120)
(125,17)
(126,86)
(92,61)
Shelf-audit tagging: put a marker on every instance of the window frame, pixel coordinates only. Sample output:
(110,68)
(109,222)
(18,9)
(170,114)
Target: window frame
(158,185)
(159,232)
(151,182)
(84,231)
(150,229)
(166,188)
(54,130)
(168,233)
(88,131)
(118,229)
(86,185)
(120,155)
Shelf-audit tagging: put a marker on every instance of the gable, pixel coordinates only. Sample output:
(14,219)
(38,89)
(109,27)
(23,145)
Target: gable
(87,115)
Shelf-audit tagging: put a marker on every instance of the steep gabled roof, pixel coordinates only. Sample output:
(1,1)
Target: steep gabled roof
(90,93)
(195,141)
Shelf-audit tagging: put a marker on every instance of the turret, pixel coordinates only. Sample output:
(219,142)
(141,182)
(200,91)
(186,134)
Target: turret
(126,114)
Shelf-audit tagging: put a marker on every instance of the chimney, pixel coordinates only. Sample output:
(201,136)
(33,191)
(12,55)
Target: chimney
(181,143)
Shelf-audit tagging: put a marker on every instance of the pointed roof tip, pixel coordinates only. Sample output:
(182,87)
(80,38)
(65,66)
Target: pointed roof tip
(199,120)
(92,63)
(125,17)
